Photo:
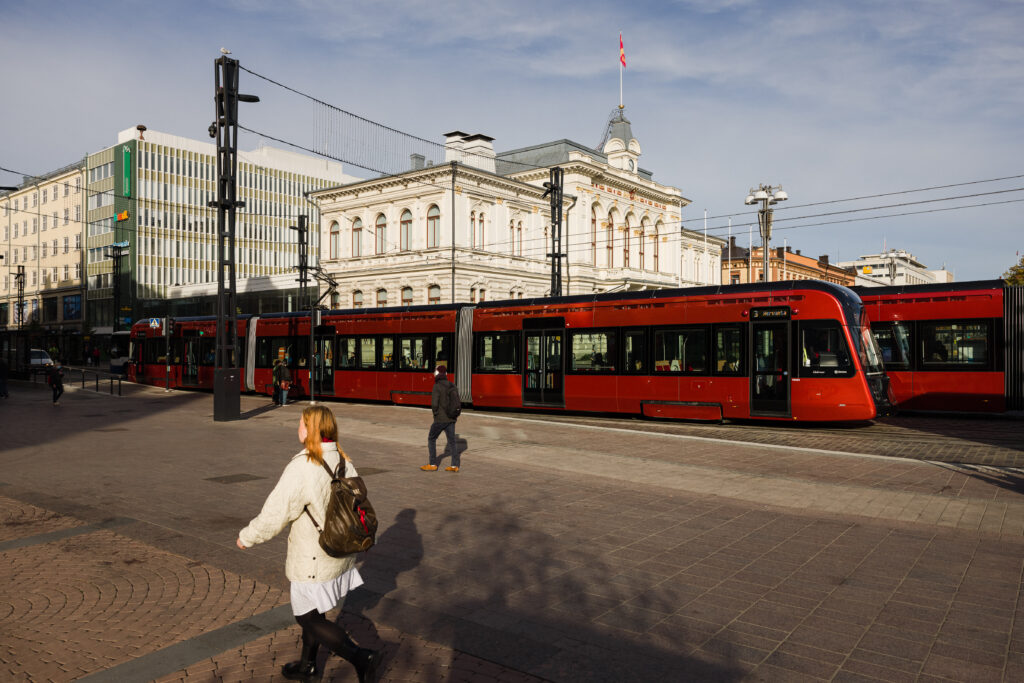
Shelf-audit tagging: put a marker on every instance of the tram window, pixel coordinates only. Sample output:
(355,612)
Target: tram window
(955,345)
(387,353)
(367,353)
(497,352)
(729,350)
(413,353)
(681,350)
(634,347)
(347,357)
(894,341)
(269,349)
(153,350)
(593,352)
(442,355)
(823,350)
(207,349)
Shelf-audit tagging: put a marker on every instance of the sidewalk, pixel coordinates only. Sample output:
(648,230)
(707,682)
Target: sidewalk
(560,552)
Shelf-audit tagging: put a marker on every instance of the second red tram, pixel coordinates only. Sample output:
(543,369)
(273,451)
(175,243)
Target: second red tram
(952,346)
(777,351)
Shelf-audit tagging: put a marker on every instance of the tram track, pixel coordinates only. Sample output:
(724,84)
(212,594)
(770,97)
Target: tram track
(952,440)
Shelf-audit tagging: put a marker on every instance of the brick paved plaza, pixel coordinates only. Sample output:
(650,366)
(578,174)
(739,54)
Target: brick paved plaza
(575,550)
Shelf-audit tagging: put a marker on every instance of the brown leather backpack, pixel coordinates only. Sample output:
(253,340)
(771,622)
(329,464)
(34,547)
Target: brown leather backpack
(350,525)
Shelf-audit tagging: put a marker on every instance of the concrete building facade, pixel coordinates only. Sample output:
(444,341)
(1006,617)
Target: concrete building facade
(149,196)
(42,228)
(895,267)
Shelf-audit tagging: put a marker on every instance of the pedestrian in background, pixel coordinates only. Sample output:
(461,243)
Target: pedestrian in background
(276,382)
(318,581)
(282,382)
(446,406)
(55,378)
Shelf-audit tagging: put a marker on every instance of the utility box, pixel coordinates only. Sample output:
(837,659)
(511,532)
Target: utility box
(227,400)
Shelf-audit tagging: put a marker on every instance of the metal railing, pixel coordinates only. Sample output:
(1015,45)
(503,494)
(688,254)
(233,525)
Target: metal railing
(95,379)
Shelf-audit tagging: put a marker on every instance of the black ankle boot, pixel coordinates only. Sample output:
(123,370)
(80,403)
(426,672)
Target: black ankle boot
(367,665)
(299,671)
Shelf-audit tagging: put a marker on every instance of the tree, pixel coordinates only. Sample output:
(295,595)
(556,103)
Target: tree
(1015,275)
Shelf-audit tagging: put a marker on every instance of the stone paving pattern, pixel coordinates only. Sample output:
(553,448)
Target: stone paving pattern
(565,550)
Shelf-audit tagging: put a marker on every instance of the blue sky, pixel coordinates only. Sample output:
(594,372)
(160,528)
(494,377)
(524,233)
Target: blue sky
(832,100)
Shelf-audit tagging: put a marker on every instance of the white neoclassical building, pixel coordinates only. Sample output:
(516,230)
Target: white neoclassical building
(476,226)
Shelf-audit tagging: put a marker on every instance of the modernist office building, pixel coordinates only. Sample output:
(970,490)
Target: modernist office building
(148,198)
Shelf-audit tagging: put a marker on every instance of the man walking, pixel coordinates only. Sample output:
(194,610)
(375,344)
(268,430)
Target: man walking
(55,377)
(446,405)
(282,382)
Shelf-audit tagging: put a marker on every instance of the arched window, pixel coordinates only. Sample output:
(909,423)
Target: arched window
(335,238)
(610,242)
(593,235)
(382,234)
(407,296)
(656,238)
(519,235)
(643,238)
(433,227)
(357,299)
(625,244)
(512,237)
(357,238)
(382,298)
(405,230)
(480,231)
(472,229)
(434,294)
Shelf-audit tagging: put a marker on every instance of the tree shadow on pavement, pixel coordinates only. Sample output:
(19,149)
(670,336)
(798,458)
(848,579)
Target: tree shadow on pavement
(509,581)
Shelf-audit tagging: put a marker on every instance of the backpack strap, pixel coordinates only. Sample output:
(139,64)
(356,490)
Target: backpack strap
(329,474)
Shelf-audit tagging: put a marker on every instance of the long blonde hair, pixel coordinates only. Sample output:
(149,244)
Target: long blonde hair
(320,426)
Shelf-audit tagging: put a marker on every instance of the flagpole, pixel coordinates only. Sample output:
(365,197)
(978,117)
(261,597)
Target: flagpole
(620,69)
(706,244)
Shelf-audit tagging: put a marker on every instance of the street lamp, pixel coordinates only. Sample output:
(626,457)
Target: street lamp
(767,195)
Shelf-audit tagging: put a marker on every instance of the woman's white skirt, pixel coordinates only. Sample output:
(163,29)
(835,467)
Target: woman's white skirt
(323,596)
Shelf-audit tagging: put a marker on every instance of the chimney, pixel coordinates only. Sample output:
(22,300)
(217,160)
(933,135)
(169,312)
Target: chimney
(479,151)
(732,243)
(797,252)
(453,146)
(416,161)
(790,249)
(823,259)
(779,252)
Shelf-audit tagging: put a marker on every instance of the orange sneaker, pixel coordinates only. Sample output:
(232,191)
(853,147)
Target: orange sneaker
(428,468)
(451,468)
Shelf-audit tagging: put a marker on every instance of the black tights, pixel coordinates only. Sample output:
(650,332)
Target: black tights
(316,631)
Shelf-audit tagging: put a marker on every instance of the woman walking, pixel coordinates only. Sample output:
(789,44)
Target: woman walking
(318,581)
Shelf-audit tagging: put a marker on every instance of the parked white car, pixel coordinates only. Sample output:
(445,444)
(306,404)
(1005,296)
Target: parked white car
(39,360)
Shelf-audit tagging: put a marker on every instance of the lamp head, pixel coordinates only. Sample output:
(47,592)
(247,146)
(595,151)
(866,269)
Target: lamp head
(781,196)
(749,199)
(760,195)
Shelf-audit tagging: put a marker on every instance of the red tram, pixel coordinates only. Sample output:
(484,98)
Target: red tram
(776,351)
(951,347)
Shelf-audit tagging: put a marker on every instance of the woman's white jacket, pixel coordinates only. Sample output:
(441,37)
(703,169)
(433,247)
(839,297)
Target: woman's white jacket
(303,484)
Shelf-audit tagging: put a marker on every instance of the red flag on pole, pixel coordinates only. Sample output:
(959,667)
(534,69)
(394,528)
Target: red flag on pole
(622,51)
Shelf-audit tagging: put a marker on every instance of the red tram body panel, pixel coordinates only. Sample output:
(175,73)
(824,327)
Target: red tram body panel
(945,346)
(780,351)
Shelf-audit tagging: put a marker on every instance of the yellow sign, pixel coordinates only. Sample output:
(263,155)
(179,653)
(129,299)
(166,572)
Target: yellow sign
(867,270)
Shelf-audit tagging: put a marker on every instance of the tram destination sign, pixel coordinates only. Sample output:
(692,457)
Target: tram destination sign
(773,313)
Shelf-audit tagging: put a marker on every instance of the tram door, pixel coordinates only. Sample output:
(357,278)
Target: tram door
(190,359)
(769,363)
(324,348)
(543,369)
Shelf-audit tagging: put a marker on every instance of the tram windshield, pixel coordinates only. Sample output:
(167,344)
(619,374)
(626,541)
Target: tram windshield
(867,346)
